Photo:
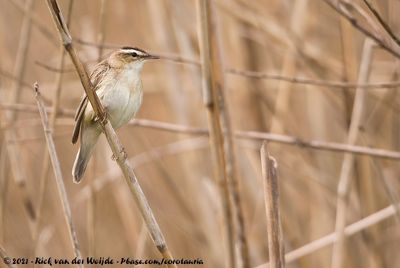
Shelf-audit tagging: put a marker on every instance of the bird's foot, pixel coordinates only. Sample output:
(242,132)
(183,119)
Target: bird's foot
(124,154)
(105,117)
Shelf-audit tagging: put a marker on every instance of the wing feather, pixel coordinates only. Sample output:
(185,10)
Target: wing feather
(95,78)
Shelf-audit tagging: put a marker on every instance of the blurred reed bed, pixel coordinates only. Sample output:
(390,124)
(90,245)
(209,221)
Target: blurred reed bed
(317,79)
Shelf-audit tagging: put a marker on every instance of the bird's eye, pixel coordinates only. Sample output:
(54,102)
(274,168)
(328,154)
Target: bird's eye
(134,54)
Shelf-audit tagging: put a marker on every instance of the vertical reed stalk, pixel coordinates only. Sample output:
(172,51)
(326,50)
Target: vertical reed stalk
(216,138)
(348,161)
(289,67)
(58,175)
(53,120)
(35,21)
(221,141)
(101,36)
(3,187)
(11,117)
(331,238)
(159,16)
(271,195)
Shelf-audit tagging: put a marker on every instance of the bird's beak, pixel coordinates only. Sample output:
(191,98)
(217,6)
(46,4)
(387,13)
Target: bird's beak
(151,57)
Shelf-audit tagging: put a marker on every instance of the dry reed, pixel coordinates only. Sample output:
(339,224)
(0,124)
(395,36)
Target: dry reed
(58,175)
(291,75)
(271,195)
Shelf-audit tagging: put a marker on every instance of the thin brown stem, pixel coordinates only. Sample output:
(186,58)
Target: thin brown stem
(53,118)
(4,180)
(312,82)
(331,238)
(345,8)
(29,108)
(263,76)
(316,144)
(101,36)
(220,132)
(6,259)
(11,116)
(228,141)
(382,22)
(35,20)
(58,175)
(343,188)
(12,77)
(238,134)
(271,196)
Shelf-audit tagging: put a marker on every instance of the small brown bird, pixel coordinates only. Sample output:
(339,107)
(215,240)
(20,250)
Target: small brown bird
(117,83)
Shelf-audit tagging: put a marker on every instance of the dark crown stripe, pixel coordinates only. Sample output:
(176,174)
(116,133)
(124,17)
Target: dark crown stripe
(135,48)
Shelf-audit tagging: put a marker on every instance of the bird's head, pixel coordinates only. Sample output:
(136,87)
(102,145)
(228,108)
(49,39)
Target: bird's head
(130,57)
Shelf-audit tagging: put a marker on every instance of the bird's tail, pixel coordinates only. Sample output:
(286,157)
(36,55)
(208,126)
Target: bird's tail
(80,164)
(88,142)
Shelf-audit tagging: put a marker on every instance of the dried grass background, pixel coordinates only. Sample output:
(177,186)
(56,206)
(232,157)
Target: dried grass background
(294,39)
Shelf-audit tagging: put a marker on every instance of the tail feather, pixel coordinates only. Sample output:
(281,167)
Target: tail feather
(80,165)
(89,135)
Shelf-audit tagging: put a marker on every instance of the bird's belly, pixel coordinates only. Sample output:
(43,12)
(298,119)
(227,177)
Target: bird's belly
(122,104)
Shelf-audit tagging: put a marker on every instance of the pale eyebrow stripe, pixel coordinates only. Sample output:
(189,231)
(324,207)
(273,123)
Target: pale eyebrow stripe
(134,50)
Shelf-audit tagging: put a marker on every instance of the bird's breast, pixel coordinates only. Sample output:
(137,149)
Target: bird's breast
(122,99)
